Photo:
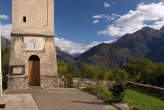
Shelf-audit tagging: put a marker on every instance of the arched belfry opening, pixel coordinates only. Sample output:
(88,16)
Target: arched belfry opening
(34,70)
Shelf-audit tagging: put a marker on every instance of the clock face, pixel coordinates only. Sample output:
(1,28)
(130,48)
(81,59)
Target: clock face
(32,13)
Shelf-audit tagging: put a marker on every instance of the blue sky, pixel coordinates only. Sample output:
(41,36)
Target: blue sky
(81,24)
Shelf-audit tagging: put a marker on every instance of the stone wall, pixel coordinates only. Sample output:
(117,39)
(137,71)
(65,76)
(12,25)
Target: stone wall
(22,82)
(39,16)
(48,63)
(82,83)
(17,83)
(47,56)
(146,88)
(50,82)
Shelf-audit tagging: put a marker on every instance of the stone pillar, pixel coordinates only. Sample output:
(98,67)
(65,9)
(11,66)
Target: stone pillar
(0,71)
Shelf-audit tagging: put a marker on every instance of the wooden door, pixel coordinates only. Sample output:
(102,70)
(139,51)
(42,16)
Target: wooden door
(34,73)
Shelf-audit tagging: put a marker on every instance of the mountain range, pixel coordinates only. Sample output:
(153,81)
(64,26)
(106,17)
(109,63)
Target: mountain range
(62,55)
(145,43)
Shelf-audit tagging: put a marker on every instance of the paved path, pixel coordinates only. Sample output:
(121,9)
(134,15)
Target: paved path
(65,99)
(18,102)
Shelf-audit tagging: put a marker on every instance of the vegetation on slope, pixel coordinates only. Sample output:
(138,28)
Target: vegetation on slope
(145,43)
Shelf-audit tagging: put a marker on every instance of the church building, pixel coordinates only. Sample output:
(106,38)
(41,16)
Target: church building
(33,54)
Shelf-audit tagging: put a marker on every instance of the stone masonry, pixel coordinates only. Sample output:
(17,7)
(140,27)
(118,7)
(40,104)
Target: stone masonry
(33,19)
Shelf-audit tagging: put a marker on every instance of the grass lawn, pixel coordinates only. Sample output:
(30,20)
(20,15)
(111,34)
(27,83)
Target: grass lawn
(143,101)
(135,99)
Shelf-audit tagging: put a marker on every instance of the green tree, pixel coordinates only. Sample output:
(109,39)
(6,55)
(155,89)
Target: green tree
(120,75)
(62,67)
(157,75)
(90,71)
(74,70)
(5,65)
(105,74)
(139,70)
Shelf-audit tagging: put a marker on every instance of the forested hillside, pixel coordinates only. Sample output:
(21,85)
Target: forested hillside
(145,43)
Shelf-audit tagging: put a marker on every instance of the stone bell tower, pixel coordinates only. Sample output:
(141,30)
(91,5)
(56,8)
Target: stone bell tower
(33,55)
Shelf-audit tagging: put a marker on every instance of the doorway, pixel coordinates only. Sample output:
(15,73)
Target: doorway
(34,70)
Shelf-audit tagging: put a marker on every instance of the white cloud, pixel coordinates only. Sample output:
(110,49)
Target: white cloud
(98,16)
(4,17)
(110,41)
(136,19)
(92,44)
(68,46)
(95,21)
(106,4)
(105,17)
(5,30)
(73,47)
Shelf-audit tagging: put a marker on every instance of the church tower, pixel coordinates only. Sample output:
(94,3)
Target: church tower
(33,55)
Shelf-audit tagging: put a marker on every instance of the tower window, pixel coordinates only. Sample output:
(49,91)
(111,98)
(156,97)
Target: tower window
(24,19)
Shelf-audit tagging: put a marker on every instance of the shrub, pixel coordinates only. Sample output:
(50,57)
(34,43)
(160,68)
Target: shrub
(113,95)
(118,92)
(100,91)
(104,94)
